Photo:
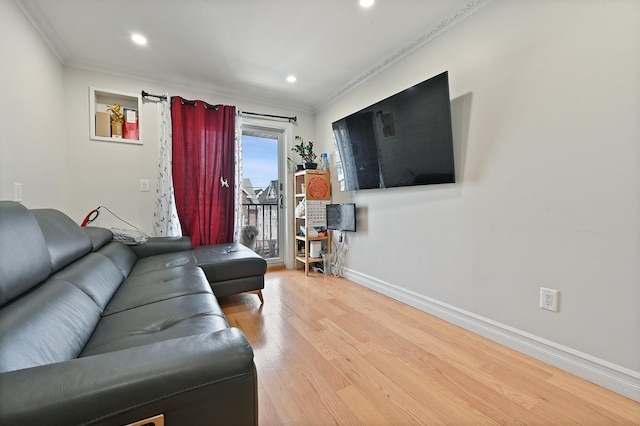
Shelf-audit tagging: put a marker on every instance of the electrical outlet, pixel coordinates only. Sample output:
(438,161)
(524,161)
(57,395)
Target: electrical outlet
(549,299)
(144,185)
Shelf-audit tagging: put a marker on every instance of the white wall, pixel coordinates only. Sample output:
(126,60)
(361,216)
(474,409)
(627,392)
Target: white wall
(106,173)
(33,151)
(44,131)
(44,123)
(546,107)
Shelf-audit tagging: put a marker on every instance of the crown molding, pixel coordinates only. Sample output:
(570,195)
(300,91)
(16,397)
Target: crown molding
(234,95)
(406,50)
(32,12)
(40,23)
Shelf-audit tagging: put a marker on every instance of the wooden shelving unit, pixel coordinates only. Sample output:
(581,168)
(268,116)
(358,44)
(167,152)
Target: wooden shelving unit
(313,188)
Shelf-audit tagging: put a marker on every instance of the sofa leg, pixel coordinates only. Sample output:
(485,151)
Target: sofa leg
(259,293)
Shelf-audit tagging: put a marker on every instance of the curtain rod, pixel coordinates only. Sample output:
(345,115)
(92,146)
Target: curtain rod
(257,114)
(290,119)
(147,95)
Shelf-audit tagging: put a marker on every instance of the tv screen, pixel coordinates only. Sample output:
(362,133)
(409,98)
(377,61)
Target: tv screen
(341,217)
(403,140)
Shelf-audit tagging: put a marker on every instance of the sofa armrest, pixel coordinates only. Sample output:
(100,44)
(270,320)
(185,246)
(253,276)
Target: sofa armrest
(201,379)
(161,245)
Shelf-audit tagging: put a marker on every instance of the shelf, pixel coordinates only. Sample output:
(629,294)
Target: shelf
(101,99)
(311,259)
(319,238)
(313,187)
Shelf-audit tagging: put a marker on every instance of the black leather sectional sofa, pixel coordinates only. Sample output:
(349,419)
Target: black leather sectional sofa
(95,333)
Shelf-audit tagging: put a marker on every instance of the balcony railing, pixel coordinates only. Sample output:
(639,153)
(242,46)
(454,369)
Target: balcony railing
(265,218)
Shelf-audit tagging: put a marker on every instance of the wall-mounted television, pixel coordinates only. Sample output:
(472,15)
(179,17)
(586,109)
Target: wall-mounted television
(403,140)
(341,217)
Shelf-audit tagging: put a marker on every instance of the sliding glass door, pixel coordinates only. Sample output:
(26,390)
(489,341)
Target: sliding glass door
(262,189)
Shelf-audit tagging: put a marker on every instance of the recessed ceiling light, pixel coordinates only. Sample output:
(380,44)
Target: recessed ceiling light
(138,39)
(366,3)
(291,79)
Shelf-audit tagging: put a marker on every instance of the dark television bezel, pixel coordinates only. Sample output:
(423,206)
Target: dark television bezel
(432,176)
(341,205)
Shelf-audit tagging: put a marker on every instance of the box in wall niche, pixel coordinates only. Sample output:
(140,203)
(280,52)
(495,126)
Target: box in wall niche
(103,124)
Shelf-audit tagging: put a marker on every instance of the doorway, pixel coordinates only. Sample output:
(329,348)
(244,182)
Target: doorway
(262,189)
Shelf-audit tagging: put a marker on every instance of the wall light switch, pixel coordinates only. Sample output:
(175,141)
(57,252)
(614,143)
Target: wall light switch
(144,185)
(17,191)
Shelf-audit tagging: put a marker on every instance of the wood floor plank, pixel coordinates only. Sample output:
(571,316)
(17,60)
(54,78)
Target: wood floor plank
(329,351)
(603,399)
(363,408)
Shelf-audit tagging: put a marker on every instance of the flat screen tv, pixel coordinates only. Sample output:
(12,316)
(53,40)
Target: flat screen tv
(403,140)
(341,217)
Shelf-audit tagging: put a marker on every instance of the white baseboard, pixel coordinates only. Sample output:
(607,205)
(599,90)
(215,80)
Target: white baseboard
(603,373)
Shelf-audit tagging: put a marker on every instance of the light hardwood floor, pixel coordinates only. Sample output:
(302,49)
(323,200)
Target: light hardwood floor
(329,351)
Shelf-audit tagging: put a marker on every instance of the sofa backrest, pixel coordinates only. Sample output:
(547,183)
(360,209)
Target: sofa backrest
(99,237)
(64,238)
(24,258)
(55,281)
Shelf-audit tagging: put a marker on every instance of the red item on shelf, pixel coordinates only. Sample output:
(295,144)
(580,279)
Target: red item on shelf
(130,127)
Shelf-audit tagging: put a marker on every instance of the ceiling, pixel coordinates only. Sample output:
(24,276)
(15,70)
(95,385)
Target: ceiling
(244,48)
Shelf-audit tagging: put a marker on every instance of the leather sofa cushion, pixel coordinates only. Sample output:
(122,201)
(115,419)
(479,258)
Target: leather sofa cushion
(160,245)
(161,262)
(24,259)
(120,255)
(99,237)
(142,289)
(50,324)
(65,240)
(167,319)
(222,262)
(96,275)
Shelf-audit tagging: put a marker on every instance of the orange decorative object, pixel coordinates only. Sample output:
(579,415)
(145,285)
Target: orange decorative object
(317,188)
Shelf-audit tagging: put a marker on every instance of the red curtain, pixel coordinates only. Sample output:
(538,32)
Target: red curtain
(203,169)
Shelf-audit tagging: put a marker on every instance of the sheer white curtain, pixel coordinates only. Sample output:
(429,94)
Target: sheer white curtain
(165,216)
(238,179)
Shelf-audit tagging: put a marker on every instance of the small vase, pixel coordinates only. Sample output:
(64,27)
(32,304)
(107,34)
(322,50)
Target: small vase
(299,167)
(116,129)
(310,166)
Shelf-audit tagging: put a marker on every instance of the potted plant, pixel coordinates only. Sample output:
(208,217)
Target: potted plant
(292,166)
(305,150)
